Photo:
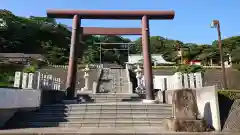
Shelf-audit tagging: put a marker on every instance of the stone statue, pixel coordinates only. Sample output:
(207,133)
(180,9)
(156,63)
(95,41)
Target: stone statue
(139,76)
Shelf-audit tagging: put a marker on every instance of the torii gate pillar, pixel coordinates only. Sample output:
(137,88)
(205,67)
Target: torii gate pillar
(72,63)
(147,62)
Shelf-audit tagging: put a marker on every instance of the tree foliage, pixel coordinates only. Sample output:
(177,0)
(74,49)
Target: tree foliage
(41,35)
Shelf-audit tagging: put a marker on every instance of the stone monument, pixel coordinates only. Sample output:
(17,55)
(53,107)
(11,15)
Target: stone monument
(185,113)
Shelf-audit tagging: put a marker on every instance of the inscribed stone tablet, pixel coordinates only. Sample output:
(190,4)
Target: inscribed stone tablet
(185,106)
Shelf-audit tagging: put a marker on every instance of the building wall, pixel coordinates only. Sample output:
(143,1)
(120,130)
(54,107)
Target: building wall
(135,58)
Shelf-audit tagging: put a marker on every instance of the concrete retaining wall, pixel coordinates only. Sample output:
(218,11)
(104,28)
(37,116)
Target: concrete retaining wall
(18,98)
(14,100)
(11,100)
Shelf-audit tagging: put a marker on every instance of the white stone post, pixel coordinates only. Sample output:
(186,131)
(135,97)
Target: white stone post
(39,80)
(178,83)
(50,82)
(30,81)
(17,79)
(185,81)
(86,76)
(45,82)
(230,60)
(58,83)
(139,77)
(191,80)
(24,80)
(198,77)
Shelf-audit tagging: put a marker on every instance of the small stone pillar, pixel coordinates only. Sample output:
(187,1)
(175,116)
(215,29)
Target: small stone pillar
(139,77)
(86,76)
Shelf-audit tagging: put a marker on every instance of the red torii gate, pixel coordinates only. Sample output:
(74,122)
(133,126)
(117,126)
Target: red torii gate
(77,30)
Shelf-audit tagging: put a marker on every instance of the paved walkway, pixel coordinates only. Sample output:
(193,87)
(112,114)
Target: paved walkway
(102,131)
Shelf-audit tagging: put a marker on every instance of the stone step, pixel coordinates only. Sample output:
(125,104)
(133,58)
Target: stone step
(113,95)
(115,105)
(108,112)
(106,118)
(89,120)
(92,124)
(104,113)
(111,99)
(106,109)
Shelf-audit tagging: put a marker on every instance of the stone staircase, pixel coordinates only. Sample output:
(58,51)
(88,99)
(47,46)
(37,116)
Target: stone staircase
(105,97)
(113,80)
(113,115)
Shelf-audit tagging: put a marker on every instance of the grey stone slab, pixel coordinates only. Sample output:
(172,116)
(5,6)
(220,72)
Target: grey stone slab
(89,125)
(141,124)
(124,119)
(123,106)
(107,125)
(124,111)
(140,119)
(108,115)
(138,110)
(124,115)
(93,107)
(138,107)
(93,110)
(142,115)
(123,125)
(91,116)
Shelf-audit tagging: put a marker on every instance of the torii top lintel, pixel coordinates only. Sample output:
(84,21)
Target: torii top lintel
(112,14)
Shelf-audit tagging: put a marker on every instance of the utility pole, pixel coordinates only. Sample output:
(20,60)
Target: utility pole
(216,24)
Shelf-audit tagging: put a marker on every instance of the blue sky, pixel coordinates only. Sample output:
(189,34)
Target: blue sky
(191,23)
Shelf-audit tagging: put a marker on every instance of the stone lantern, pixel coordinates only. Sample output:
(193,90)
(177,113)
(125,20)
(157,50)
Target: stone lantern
(86,77)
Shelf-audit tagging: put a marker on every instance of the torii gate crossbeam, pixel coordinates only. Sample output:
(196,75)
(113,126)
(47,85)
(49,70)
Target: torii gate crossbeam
(77,15)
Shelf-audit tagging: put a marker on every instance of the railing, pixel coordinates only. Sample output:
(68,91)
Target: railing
(36,80)
(79,66)
(166,67)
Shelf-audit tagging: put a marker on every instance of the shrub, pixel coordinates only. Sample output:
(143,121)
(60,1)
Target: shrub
(236,66)
(190,68)
(30,69)
(232,95)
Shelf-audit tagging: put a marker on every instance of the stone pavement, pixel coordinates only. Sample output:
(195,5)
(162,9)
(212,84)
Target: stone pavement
(103,131)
